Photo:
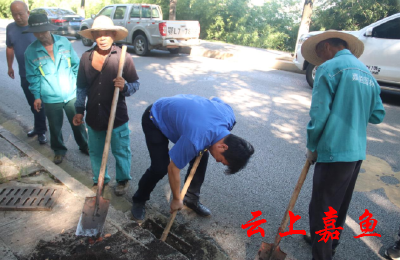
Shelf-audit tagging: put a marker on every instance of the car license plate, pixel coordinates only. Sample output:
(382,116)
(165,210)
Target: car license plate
(74,23)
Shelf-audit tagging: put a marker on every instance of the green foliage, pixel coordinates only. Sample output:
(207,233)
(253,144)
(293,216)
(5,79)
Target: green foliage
(352,14)
(273,25)
(5,9)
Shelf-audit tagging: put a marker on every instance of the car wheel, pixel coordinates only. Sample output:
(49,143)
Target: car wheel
(85,41)
(140,45)
(174,51)
(310,74)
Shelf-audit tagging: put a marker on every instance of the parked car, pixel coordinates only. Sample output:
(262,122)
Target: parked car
(67,21)
(146,28)
(381,51)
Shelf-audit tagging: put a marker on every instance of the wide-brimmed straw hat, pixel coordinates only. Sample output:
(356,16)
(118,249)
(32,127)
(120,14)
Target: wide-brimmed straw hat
(39,23)
(104,23)
(308,48)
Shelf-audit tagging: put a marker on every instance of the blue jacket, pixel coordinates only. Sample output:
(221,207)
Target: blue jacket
(192,123)
(345,98)
(53,82)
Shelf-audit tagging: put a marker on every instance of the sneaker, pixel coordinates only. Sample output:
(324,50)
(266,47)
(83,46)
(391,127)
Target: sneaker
(138,211)
(94,187)
(197,207)
(394,251)
(58,158)
(121,188)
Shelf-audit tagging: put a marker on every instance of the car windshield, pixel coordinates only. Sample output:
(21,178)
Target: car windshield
(59,12)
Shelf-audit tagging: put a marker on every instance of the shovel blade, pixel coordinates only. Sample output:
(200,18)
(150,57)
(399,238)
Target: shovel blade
(91,224)
(270,252)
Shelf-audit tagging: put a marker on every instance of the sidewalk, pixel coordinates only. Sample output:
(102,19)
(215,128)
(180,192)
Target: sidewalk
(266,59)
(51,234)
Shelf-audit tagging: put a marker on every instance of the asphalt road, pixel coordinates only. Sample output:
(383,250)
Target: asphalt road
(271,109)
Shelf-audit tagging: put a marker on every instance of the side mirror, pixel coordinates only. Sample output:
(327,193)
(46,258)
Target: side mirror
(368,32)
(93,16)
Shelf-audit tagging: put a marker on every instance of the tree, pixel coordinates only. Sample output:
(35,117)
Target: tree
(351,14)
(172,9)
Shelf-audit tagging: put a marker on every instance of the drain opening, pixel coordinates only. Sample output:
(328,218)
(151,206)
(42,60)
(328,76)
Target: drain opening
(173,240)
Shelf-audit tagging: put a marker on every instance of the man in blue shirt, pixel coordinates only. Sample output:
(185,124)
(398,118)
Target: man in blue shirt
(195,125)
(345,99)
(17,42)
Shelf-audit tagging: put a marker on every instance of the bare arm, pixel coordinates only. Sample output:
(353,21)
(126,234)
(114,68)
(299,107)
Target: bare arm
(10,60)
(175,183)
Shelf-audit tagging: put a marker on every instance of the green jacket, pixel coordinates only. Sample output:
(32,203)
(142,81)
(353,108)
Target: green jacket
(53,82)
(345,99)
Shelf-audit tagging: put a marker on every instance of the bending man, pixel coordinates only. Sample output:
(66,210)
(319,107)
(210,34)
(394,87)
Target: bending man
(196,126)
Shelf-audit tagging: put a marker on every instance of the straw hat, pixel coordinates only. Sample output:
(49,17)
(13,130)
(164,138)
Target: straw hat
(308,48)
(104,23)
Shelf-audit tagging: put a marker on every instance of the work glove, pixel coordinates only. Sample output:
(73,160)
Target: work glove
(311,156)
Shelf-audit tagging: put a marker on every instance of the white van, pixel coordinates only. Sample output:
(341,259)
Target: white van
(381,51)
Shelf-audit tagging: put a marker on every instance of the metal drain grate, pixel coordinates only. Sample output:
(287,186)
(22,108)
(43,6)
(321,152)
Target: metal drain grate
(28,198)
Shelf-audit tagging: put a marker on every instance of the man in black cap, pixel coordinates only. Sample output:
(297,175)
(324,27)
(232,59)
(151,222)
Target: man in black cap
(51,69)
(16,45)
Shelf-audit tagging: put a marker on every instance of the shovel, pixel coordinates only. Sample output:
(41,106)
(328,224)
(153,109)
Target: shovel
(95,209)
(183,193)
(273,251)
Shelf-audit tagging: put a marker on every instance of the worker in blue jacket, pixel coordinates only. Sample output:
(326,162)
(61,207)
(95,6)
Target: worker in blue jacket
(345,99)
(51,69)
(195,125)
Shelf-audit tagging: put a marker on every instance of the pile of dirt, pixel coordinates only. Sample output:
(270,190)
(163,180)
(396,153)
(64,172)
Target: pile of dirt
(67,246)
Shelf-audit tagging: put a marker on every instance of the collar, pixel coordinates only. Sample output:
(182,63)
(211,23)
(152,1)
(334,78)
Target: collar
(343,52)
(113,51)
(40,47)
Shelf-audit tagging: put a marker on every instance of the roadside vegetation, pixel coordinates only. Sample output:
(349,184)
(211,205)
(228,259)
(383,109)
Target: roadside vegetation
(273,25)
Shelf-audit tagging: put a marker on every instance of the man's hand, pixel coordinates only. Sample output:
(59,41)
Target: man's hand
(11,72)
(119,82)
(37,104)
(77,120)
(176,204)
(312,156)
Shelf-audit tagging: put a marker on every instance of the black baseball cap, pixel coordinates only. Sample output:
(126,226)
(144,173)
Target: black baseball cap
(39,23)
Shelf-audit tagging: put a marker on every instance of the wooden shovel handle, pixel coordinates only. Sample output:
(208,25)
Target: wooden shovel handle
(110,127)
(292,202)
(183,193)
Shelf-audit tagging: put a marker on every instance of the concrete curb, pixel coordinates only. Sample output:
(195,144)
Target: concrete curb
(72,184)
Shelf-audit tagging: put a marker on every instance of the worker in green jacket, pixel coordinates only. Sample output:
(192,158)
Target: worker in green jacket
(51,69)
(345,99)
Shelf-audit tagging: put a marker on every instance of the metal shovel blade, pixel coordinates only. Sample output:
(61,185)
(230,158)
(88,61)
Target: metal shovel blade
(91,223)
(270,252)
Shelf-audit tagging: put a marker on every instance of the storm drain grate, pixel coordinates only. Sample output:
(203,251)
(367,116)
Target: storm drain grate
(28,198)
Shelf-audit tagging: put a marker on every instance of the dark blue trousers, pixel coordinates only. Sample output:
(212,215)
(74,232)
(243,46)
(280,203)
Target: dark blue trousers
(39,117)
(333,186)
(157,144)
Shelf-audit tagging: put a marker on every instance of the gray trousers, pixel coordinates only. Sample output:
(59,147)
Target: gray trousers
(333,186)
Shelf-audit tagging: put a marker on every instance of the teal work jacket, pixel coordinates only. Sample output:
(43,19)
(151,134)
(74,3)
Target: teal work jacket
(53,82)
(345,99)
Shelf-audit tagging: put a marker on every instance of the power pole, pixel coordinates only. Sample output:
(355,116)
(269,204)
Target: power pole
(305,20)
(172,9)
(82,9)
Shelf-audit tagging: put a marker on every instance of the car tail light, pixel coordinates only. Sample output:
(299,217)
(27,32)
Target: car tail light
(163,28)
(58,20)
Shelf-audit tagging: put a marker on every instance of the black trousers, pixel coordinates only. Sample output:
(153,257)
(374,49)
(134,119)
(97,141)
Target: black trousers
(333,186)
(39,117)
(157,144)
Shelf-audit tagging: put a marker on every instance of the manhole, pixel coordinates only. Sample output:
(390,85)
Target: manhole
(172,240)
(28,198)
